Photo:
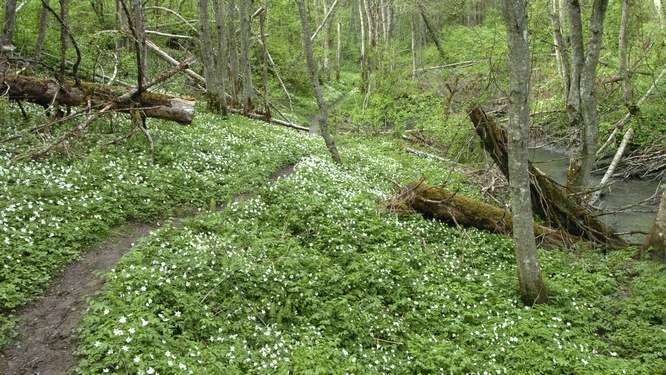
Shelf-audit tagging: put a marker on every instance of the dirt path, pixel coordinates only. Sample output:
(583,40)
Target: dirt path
(46,329)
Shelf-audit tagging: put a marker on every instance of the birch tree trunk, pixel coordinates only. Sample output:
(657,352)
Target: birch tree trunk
(223,55)
(365,76)
(41,34)
(208,57)
(312,70)
(9,25)
(245,55)
(413,24)
(531,285)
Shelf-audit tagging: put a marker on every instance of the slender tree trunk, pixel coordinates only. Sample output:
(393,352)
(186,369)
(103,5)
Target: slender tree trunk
(140,42)
(338,53)
(431,30)
(623,39)
(657,238)
(531,285)
(573,101)
(245,55)
(413,24)
(233,56)
(327,42)
(223,55)
(561,50)
(208,56)
(264,71)
(43,27)
(9,25)
(365,75)
(312,70)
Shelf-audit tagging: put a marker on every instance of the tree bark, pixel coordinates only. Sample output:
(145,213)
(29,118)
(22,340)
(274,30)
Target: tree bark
(583,104)
(264,71)
(245,55)
(139,42)
(623,57)
(561,49)
(365,75)
(549,201)
(223,54)
(531,285)
(64,42)
(9,25)
(41,33)
(312,70)
(47,92)
(338,52)
(234,82)
(208,56)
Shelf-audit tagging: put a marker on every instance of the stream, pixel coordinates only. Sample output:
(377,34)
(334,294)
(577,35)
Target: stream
(554,163)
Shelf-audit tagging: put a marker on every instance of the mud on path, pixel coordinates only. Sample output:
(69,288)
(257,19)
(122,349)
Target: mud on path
(46,328)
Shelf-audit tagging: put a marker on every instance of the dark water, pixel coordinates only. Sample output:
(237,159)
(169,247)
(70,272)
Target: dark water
(620,194)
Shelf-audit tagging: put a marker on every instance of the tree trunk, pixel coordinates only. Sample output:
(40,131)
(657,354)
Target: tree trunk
(64,42)
(531,285)
(623,40)
(43,91)
(208,57)
(431,30)
(223,55)
(264,71)
(413,24)
(9,25)
(234,81)
(139,42)
(657,238)
(365,75)
(245,55)
(549,201)
(338,52)
(312,70)
(327,42)
(561,49)
(583,156)
(43,26)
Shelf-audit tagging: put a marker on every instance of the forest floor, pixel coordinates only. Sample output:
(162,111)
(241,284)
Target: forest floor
(308,272)
(46,335)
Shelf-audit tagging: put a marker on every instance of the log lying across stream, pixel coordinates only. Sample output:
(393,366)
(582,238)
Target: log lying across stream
(47,92)
(550,201)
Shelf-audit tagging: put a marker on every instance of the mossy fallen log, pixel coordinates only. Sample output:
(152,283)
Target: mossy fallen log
(457,209)
(550,201)
(47,92)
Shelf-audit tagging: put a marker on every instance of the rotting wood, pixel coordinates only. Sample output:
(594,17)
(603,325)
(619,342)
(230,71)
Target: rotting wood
(454,208)
(549,200)
(46,92)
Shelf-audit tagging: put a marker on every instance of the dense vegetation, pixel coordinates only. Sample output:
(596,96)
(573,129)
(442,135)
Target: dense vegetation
(313,272)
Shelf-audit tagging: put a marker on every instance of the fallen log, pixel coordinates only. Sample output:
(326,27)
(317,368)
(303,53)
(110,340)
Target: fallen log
(47,92)
(456,209)
(550,201)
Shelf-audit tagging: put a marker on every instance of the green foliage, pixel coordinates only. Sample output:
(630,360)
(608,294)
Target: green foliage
(51,210)
(319,280)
